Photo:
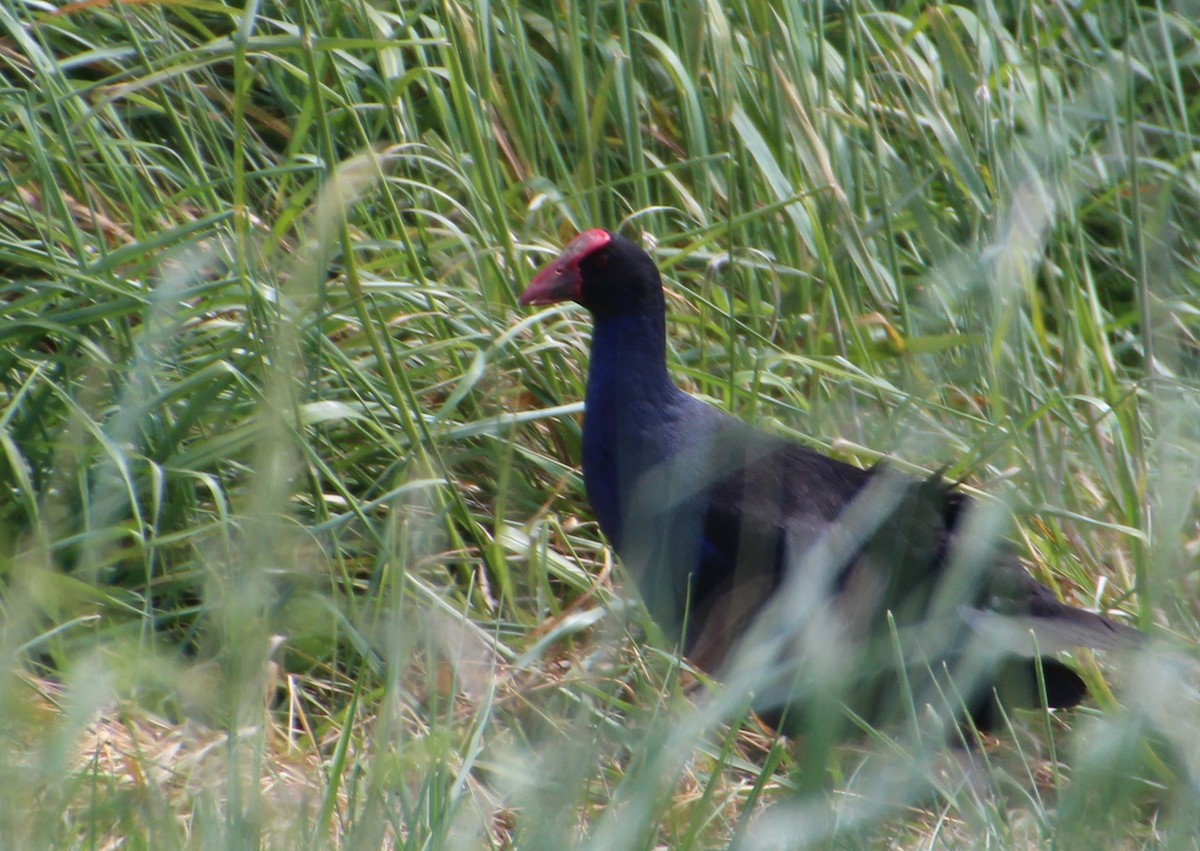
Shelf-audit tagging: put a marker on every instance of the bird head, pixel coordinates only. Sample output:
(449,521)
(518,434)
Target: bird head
(606,273)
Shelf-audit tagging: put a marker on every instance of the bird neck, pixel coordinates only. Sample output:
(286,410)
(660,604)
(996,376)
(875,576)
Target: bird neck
(629,363)
(631,406)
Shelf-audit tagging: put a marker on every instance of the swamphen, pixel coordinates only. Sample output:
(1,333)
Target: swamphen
(867,587)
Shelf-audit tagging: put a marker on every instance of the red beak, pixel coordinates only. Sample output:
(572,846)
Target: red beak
(561,279)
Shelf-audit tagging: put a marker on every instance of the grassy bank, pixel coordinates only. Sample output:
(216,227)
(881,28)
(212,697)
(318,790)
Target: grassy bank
(295,548)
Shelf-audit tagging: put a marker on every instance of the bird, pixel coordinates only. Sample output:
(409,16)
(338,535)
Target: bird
(864,587)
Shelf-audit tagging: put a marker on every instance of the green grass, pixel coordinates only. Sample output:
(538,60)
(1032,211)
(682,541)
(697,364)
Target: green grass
(295,548)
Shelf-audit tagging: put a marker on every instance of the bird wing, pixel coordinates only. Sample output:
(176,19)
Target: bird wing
(1024,616)
(876,542)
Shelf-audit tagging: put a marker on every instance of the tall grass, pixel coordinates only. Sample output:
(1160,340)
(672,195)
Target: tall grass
(296,552)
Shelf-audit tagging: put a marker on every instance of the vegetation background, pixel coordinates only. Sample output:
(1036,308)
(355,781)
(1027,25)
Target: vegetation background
(294,551)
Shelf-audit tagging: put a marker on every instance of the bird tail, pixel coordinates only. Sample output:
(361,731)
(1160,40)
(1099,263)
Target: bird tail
(1018,683)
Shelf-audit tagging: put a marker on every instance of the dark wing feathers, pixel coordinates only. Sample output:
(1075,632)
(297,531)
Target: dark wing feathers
(774,501)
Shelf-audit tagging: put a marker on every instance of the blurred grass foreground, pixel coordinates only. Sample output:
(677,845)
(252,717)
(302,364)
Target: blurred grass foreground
(294,548)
